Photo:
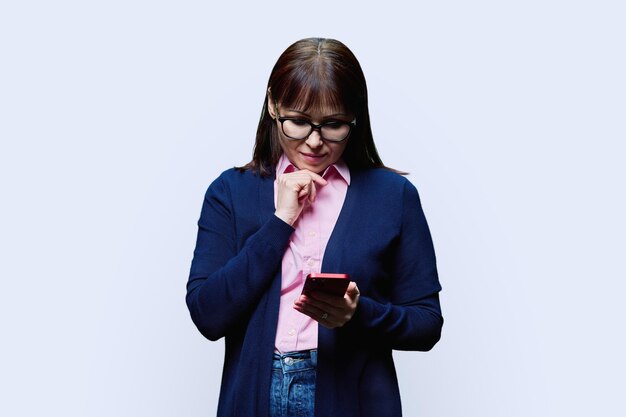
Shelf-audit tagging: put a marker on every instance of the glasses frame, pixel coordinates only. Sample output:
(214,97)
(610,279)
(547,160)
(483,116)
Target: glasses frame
(314,126)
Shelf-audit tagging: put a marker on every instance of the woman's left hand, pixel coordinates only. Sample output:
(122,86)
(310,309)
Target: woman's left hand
(328,310)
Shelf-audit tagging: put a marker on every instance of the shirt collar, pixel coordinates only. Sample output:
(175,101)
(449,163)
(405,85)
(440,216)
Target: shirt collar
(285,166)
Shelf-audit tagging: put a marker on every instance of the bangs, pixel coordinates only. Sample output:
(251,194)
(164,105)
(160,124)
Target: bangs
(313,87)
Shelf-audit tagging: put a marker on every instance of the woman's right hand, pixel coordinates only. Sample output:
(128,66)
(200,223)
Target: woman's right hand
(294,189)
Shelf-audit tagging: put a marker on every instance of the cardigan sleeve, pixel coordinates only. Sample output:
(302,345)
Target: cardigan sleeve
(225,283)
(411,319)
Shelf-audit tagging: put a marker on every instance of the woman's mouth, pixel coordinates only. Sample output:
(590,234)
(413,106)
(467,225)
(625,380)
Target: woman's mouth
(312,158)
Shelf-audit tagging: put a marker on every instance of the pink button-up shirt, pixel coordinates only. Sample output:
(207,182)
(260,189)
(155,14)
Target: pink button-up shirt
(305,253)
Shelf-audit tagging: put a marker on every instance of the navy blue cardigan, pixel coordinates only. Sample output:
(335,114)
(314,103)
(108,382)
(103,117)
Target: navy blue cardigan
(381,239)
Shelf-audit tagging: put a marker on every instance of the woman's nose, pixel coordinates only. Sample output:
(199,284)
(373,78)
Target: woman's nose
(315,139)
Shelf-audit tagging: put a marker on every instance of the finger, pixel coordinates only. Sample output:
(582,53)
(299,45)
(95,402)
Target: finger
(315,177)
(313,192)
(336,306)
(304,191)
(303,174)
(317,307)
(328,299)
(312,311)
(322,317)
(353,291)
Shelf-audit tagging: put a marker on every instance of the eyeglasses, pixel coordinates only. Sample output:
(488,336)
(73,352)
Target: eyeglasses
(297,128)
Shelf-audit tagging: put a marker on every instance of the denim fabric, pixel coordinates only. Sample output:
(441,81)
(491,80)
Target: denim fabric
(292,392)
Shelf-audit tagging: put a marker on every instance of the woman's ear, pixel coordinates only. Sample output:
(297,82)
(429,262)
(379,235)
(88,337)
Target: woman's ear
(270,104)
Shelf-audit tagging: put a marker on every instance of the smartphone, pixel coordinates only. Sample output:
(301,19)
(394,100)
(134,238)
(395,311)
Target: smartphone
(335,284)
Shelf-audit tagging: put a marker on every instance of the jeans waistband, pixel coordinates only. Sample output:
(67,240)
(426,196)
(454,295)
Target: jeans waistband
(295,361)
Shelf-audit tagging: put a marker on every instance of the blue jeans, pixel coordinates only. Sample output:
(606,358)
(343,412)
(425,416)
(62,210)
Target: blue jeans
(292,392)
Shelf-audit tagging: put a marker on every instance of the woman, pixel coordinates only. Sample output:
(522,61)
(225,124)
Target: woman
(316,197)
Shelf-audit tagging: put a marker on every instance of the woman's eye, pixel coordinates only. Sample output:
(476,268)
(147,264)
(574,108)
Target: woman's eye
(333,125)
(299,122)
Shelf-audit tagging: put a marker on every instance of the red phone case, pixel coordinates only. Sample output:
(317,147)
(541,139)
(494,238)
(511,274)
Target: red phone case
(335,284)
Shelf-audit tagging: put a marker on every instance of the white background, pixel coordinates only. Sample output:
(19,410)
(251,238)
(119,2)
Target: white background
(115,116)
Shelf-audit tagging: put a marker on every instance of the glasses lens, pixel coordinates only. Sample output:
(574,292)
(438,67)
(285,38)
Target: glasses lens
(335,131)
(296,129)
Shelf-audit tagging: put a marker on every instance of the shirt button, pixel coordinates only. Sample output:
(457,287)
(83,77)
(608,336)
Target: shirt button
(311,262)
(291,332)
(312,234)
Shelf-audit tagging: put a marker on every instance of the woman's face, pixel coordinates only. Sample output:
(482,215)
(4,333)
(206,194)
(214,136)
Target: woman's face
(312,153)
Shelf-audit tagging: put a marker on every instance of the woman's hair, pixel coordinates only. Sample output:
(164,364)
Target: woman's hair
(316,73)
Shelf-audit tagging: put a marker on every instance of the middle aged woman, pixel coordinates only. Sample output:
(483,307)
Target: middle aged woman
(316,197)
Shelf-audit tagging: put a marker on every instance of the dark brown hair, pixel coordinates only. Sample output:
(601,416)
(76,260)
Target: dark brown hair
(316,73)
